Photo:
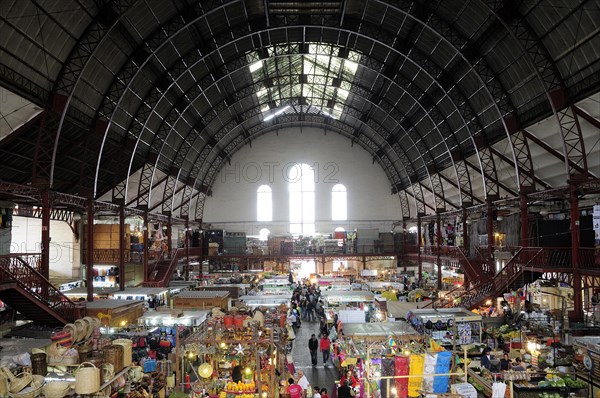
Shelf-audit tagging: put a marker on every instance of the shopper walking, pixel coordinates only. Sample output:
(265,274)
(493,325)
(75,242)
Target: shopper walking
(324,345)
(313,346)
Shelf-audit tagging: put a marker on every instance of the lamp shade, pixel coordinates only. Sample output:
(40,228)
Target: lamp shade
(205,370)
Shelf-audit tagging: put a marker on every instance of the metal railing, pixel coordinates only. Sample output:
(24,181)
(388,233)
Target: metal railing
(23,269)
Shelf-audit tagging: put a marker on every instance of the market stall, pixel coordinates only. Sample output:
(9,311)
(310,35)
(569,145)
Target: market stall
(231,358)
(392,360)
(80,293)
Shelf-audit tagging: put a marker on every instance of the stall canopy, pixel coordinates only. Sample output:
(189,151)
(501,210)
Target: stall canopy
(444,314)
(379,330)
(141,293)
(173,317)
(398,309)
(352,296)
(266,300)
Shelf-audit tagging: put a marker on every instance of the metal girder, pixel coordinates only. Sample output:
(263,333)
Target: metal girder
(36,212)
(586,116)
(404,206)
(469,196)
(41,173)
(493,182)
(136,199)
(23,86)
(91,146)
(490,173)
(527,178)
(553,151)
(574,145)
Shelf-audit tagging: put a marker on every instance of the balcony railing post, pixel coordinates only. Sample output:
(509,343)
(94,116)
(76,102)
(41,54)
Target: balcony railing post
(89,263)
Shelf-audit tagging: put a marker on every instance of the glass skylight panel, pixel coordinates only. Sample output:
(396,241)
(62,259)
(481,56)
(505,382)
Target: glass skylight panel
(320,67)
(256,66)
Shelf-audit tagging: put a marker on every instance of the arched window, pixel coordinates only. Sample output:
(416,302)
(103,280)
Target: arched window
(301,178)
(264,203)
(339,206)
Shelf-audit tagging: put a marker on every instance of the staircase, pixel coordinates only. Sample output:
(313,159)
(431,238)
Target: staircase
(162,272)
(26,290)
(494,286)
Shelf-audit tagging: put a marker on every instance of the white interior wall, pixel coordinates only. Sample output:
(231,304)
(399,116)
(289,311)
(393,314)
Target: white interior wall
(65,251)
(370,202)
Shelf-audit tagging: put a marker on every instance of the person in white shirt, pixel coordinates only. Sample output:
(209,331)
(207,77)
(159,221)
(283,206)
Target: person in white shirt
(316,392)
(302,380)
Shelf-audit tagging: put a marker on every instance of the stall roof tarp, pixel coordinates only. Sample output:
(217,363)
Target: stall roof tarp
(82,291)
(398,309)
(141,291)
(348,296)
(201,294)
(459,314)
(267,299)
(168,318)
(110,304)
(381,329)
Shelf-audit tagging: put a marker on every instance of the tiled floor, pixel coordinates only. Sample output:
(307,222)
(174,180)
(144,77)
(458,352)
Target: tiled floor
(322,376)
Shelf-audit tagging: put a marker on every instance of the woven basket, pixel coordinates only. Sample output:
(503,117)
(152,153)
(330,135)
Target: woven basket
(17,383)
(107,371)
(87,379)
(81,327)
(114,354)
(34,389)
(71,329)
(91,324)
(127,350)
(56,389)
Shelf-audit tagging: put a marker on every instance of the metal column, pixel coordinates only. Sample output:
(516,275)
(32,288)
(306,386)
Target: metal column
(145,247)
(438,242)
(577,288)
(420,269)
(524,215)
(121,248)
(89,262)
(46,209)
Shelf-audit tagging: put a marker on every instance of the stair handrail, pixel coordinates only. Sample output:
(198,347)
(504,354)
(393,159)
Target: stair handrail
(437,299)
(62,305)
(159,280)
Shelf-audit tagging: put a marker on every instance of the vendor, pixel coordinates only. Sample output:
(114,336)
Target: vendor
(518,366)
(352,381)
(505,362)
(486,358)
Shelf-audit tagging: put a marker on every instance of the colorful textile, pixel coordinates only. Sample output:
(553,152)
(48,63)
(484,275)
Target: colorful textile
(442,365)
(430,362)
(415,381)
(402,370)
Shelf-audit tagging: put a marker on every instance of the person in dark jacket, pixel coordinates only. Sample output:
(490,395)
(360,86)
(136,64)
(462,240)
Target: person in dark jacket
(313,346)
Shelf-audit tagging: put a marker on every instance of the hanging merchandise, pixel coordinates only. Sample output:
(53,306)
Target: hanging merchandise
(402,370)
(464,333)
(498,390)
(430,361)
(440,383)
(387,369)
(415,381)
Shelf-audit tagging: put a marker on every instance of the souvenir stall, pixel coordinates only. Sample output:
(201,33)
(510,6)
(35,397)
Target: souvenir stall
(392,360)
(352,298)
(81,361)
(234,354)
(380,286)
(333,283)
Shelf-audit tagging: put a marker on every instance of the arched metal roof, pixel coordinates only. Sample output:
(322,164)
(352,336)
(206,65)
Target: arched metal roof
(445,95)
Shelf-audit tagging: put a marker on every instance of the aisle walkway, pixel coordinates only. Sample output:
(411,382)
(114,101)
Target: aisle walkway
(322,376)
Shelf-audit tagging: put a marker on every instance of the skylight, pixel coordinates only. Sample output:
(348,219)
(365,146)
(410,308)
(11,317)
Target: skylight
(321,77)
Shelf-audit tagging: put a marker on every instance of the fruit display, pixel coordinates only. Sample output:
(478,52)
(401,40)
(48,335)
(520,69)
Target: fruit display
(238,390)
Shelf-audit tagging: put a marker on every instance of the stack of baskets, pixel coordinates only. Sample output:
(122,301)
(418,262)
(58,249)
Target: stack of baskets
(24,385)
